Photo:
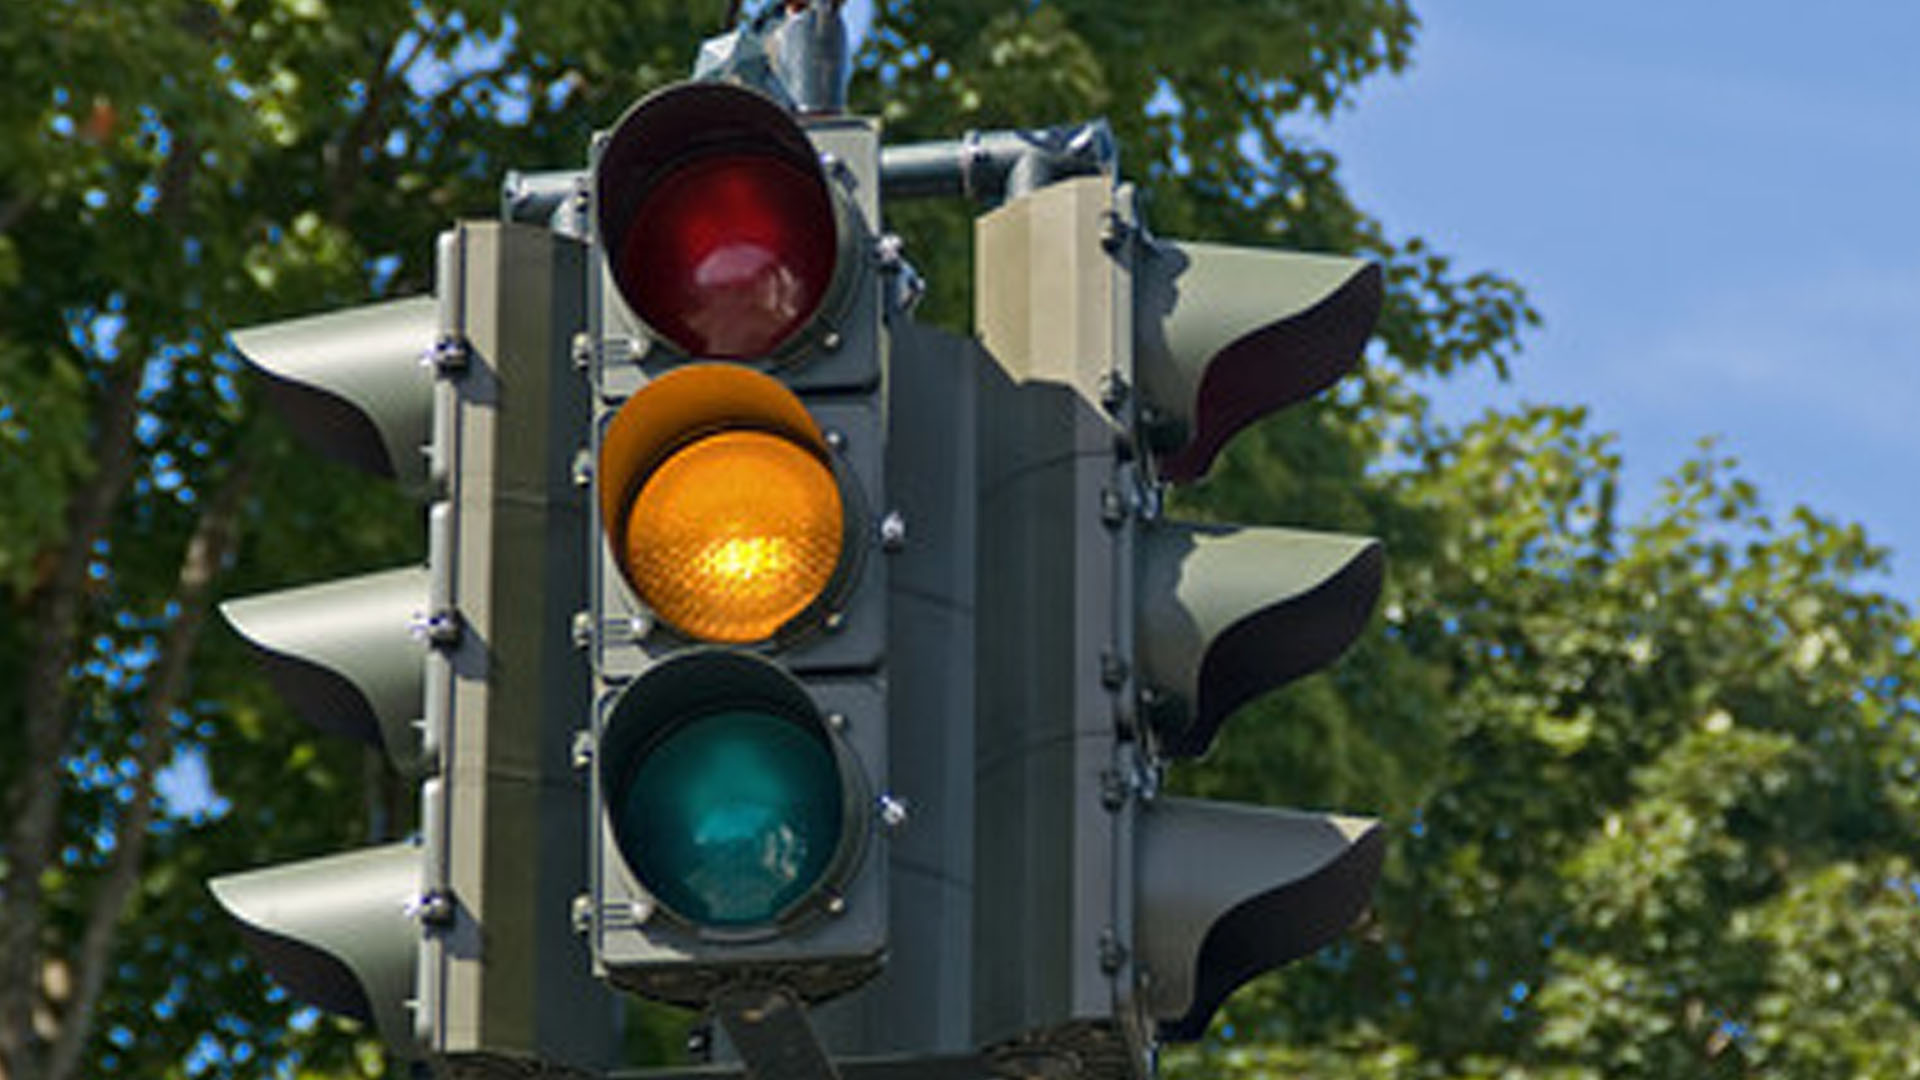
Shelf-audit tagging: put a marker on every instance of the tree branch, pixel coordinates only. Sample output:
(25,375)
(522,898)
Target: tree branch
(176,180)
(366,127)
(32,838)
(206,552)
(15,208)
(36,800)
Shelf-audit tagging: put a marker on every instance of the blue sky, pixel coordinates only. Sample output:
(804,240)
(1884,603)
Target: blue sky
(1715,206)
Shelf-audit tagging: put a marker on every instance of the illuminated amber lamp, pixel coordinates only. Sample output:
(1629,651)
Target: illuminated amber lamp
(720,503)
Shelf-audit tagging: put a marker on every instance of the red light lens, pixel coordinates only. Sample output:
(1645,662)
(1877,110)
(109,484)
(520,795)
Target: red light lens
(729,255)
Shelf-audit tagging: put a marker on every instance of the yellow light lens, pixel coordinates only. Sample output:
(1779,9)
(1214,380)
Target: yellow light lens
(734,535)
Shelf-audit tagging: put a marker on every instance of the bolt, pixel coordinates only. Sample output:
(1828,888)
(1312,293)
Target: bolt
(841,172)
(1113,955)
(836,904)
(893,531)
(909,289)
(893,811)
(1151,503)
(435,910)
(439,629)
(1150,780)
(837,721)
(449,354)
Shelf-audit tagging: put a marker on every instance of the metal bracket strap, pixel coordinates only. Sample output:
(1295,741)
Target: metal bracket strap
(769,1028)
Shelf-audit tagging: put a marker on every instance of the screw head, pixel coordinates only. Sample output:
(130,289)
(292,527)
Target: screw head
(893,531)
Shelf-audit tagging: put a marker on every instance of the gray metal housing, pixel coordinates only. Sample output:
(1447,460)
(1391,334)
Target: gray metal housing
(355,383)
(837,366)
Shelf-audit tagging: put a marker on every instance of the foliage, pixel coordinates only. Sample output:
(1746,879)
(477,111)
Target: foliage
(1652,784)
(1665,811)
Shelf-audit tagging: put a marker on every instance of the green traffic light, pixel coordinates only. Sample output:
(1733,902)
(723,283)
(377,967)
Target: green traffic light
(731,818)
(728,795)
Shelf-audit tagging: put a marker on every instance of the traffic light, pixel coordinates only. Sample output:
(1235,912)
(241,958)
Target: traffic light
(1107,916)
(1222,337)
(738,622)
(337,930)
(674,644)
(458,946)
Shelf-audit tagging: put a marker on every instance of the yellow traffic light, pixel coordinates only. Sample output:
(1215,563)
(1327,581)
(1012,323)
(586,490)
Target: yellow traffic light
(720,503)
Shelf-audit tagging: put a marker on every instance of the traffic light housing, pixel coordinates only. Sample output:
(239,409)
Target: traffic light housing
(738,624)
(1109,917)
(338,930)
(458,946)
(1223,336)
(668,562)
(351,383)
(344,654)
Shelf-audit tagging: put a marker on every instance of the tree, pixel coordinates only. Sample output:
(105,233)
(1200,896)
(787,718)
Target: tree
(1671,826)
(1706,882)
(171,169)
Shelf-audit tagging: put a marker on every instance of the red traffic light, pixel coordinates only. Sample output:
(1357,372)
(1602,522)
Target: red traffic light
(720,229)
(729,256)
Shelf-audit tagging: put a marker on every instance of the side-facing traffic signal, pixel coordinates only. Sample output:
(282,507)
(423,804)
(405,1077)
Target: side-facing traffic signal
(1109,917)
(339,931)
(458,947)
(1222,337)
(738,622)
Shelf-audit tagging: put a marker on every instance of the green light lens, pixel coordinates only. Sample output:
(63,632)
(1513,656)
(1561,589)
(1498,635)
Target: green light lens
(732,817)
